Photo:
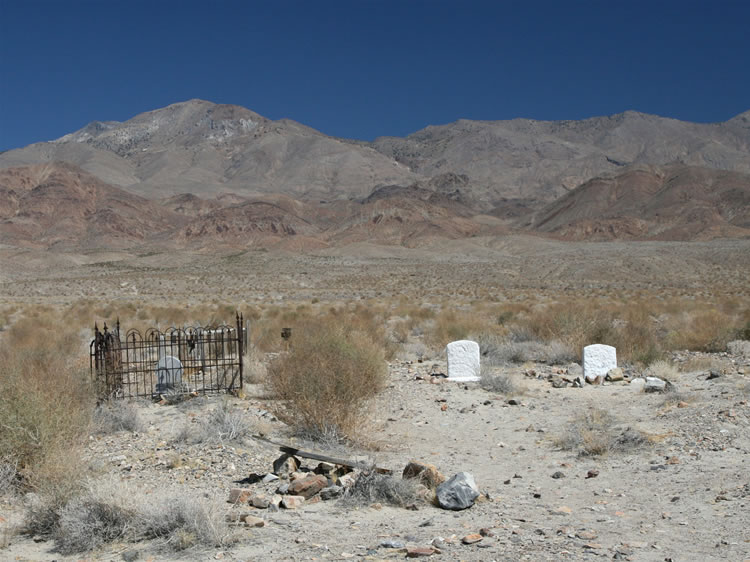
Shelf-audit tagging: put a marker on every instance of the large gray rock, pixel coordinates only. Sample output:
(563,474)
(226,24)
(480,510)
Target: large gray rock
(457,493)
(463,360)
(598,359)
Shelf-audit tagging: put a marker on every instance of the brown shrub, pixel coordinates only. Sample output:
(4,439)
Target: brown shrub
(328,377)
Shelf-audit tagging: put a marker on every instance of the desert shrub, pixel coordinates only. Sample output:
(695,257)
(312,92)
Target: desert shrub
(86,523)
(663,370)
(328,377)
(702,330)
(181,522)
(451,325)
(46,400)
(8,475)
(117,415)
(373,487)
(502,383)
(705,363)
(595,432)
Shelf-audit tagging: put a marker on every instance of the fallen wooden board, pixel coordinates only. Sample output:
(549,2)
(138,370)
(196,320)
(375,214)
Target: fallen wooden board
(321,457)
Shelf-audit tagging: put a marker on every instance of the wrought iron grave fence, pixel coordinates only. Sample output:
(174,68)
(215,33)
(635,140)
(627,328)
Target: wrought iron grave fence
(175,361)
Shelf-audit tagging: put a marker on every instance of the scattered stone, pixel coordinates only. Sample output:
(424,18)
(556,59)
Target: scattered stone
(292,502)
(655,384)
(472,538)
(485,532)
(309,486)
(269,478)
(392,544)
(421,551)
(252,521)
(457,493)
(427,474)
(558,474)
(558,381)
(713,375)
(513,402)
(638,384)
(325,468)
(586,535)
(261,501)
(463,361)
(331,493)
(598,360)
(614,375)
(240,495)
(130,555)
(592,473)
(682,404)
(283,489)
(348,480)
(285,465)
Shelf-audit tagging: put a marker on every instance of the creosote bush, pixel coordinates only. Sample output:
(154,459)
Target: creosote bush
(595,432)
(327,378)
(373,487)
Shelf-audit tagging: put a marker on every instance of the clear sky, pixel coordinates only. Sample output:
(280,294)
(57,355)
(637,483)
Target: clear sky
(362,69)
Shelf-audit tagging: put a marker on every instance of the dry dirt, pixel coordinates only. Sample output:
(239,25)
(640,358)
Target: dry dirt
(683,496)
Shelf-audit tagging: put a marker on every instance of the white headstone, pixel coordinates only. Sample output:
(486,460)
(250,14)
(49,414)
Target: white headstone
(169,374)
(463,360)
(598,359)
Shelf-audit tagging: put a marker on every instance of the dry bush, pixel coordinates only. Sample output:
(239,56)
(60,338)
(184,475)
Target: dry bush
(46,400)
(502,383)
(117,415)
(372,487)
(451,325)
(86,523)
(664,370)
(225,424)
(180,522)
(328,377)
(595,432)
(702,330)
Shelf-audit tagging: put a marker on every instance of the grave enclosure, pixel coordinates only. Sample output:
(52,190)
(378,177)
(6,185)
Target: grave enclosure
(175,361)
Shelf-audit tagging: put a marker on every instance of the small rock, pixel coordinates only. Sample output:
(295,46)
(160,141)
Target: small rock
(485,532)
(239,495)
(428,474)
(615,374)
(472,538)
(252,521)
(713,375)
(586,535)
(331,493)
(558,475)
(261,501)
(575,370)
(592,473)
(638,384)
(682,404)
(292,502)
(421,551)
(130,555)
(457,493)
(269,478)
(392,544)
(513,402)
(309,486)
(285,465)
(655,384)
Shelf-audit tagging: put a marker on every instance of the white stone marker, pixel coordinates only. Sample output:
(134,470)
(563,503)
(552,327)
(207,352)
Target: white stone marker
(463,361)
(169,373)
(598,359)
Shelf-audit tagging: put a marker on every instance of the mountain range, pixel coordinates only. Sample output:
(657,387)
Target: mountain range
(198,174)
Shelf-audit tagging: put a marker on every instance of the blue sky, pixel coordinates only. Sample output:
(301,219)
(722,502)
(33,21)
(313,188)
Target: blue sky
(362,69)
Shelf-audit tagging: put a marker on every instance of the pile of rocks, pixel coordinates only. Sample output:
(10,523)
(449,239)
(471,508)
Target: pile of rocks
(291,486)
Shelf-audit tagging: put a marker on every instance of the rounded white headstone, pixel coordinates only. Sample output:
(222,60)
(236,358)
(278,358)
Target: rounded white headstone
(169,373)
(598,359)
(463,360)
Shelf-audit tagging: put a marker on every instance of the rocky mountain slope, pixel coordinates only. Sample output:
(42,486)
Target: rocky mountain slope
(197,174)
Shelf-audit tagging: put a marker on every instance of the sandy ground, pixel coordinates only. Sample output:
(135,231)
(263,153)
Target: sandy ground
(686,496)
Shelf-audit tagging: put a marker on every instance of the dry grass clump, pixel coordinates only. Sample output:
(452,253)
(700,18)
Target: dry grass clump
(502,383)
(99,515)
(705,363)
(328,377)
(451,325)
(46,400)
(225,424)
(372,487)
(664,370)
(595,432)
(117,415)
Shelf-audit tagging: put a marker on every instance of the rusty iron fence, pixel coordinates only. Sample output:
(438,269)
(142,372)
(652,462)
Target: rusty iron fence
(175,361)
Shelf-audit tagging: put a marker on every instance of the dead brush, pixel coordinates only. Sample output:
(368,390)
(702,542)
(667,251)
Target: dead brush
(499,382)
(117,415)
(595,432)
(224,424)
(372,487)
(328,377)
